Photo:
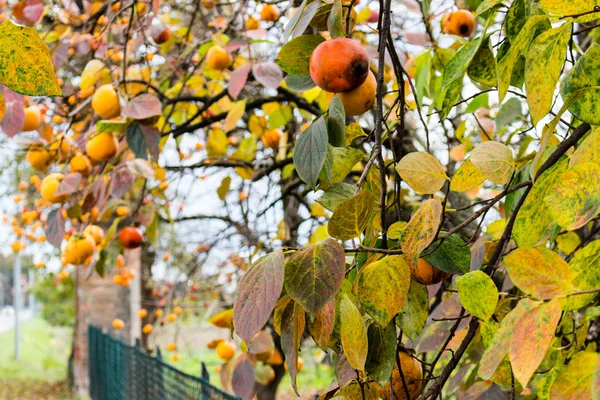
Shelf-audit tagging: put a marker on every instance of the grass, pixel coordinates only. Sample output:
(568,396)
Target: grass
(41,372)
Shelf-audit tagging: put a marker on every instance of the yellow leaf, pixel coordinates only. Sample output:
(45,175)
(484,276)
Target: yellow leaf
(2,106)
(588,150)
(421,229)
(25,62)
(222,319)
(422,172)
(319,234)
(567,242)
(466,177)
(495,160)
(235,113)
(353,334)
(217,143)
(394,231)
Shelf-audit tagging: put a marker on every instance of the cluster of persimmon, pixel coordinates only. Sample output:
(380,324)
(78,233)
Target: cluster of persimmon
(347,73)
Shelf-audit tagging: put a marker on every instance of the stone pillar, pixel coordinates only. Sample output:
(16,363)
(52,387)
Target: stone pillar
(98,301)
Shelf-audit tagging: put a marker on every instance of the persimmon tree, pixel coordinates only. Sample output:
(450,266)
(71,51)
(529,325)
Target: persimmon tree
(412,185)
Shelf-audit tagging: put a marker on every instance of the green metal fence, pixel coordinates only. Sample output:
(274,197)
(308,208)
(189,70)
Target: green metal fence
(122,372)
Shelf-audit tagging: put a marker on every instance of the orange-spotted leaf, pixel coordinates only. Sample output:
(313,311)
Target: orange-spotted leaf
(421,229)
(422,172)
(353,334)
(575,198)
(223,319)
(500,344)
(321,327)
(314,274)
(466,177)
(383,288)
(2,106)
(257,295)
(533,334)
(25,62)
(351,217)
(539,272)
(495,160)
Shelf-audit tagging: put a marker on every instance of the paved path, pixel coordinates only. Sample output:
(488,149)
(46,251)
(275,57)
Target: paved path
(8,322)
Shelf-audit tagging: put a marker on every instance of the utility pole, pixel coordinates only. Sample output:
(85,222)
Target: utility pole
(17,303)
(31,296)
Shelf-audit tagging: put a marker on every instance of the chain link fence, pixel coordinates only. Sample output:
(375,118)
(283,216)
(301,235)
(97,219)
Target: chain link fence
(121,372)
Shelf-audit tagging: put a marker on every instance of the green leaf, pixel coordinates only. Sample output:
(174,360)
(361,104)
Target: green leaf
(335,22)
(353,334)
(416,310)
(478,294)
(382,352)
(534,222)
(466,177)
(481,101)
(314,274)
(152,231)
(111,126)
(336,122)
(325,176)
(223,188)
(422,172)
(136,141)
(584,75)
(486,5)
(421,229)
(450,97)
(351,217)
(25,64)
(336,195)
(539,272)
(545,60)
(510,112)
(457,66)
(301,19)
(451,255)
(575,197)
(483,67)
(294,57)
(495,160)
(383,288)
(533,334)
(508,62)
(581,370)
(310,152)
(299,83)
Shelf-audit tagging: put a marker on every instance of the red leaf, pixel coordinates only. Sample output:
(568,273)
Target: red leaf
(344,373)
(261,343)
(15,113)
(152,138)
(61,54)
(33,10)
(256,33)
(293,321)
(242,379)
(121,182)
(235,45)
(238,80)
(55,228)
(257,296)
(322,326)
(69,184)
(417,38)
(268,74)
(143,106)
